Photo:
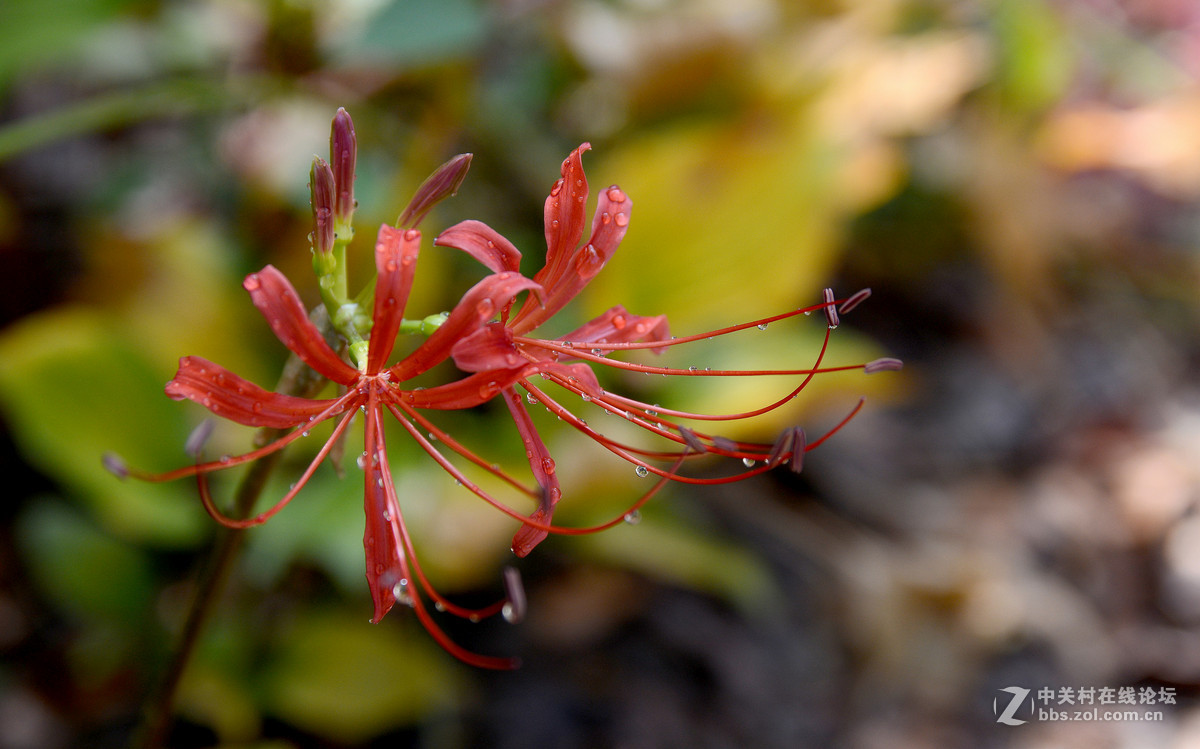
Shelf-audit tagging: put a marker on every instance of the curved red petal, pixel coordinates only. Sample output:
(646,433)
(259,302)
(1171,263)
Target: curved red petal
(236,399)
(476,308)
(275,298)
(483,243)
(490,347)
(543,468)
(563,214)
(571,274)
(396,262)
(616,325)
(468,392)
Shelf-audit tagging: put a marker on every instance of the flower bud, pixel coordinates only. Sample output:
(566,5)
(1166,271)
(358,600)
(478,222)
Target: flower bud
(321,183)
(442,184)
(343,153)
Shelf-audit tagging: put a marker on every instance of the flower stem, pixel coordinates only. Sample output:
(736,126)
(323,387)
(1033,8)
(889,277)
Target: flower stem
(297,379)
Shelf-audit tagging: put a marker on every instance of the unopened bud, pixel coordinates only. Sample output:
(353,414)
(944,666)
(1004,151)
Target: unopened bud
(442,184)
(321,184)
(343,154)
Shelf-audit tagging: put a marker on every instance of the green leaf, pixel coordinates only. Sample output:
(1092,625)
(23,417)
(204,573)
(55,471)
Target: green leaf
(83,571)
(71,388)
(349,680)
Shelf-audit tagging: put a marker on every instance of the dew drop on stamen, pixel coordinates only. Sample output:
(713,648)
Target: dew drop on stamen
(530,399)
(361,460)
(642,471)
(633,518)
(748,462)
(762,326)
(400,591)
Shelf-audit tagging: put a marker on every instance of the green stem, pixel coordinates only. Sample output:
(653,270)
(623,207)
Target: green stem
(298,380)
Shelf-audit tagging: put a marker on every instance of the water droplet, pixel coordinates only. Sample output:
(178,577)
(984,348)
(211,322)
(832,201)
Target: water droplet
(252,283)
(642,471)
(411,234)
(622,219)
(633,518)
(691,369)
(530,399)
(361,460)
(616,195)
(400,591)
(762,326)
(586,398)
(548,465)
(748,462)
(509,613)
(618,321)
(486,307)
(487,391)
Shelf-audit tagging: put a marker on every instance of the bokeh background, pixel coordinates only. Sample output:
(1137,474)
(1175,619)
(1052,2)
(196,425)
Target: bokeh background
(1015,179)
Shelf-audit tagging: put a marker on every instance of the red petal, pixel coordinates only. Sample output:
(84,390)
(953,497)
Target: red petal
(543,469)
(618,326)
(490,347)
(236,399)
(381,547)
(468,392)
(569,276)
(476,308)
(564,216)
(483,243)
(396,261)
(285,313)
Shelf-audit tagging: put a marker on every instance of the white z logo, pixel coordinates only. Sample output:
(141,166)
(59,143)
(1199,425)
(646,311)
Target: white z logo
(1006,717)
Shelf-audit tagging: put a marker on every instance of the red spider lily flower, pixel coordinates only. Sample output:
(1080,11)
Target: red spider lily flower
(566,361)
(391,563)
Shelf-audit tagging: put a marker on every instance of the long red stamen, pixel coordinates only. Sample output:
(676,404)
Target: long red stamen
(228,522)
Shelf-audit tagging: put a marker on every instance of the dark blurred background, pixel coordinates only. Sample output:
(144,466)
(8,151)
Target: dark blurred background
(1015,179)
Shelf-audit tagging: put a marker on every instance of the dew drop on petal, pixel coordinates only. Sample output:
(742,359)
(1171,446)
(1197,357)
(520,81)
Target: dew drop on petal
(411,234)
(642,471)
(616,195)
(252,283)
(486,307)
(548,465)
(622,219)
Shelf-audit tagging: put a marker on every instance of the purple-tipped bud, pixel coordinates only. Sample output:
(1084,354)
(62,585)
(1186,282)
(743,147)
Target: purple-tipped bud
(115,465)
(343,153)
(442,184)
(854,300)
(514,607)
(831,313)
(321,183)
(886,364)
